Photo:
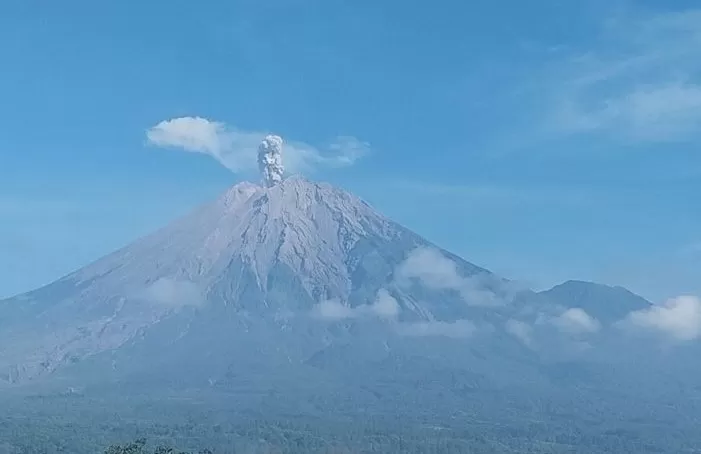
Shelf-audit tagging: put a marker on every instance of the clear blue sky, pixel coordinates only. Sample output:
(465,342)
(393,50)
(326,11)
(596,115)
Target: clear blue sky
(545,140)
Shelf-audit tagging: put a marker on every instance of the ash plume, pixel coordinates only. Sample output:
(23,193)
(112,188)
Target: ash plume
(270,160)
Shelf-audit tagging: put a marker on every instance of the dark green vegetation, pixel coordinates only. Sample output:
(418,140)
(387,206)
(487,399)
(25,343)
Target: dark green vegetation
(494,423)
(139,447)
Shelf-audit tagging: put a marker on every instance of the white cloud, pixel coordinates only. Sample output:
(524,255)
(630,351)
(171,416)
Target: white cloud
(384,307)
(194,134)
(679,318)
(458,329)
(643,85)
(333,310)
(438,272)
(576,321)
(236,149)
(521,331)
(173,293)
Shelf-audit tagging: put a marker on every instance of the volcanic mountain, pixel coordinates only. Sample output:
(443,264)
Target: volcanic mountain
(297,299)
(260,260)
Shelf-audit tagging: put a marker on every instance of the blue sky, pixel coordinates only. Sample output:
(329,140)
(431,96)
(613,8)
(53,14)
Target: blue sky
(545,140)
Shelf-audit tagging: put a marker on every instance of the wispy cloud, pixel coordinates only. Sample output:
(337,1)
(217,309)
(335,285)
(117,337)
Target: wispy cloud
(236,149)
(438,272)
(678,319)
(641,85)
(521,331)
(558,329)
(659,113)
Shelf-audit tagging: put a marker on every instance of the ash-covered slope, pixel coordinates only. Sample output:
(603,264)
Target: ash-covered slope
(297,227)
(256,256)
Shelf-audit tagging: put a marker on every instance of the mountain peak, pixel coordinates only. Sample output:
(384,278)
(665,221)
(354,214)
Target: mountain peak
(589,286)
(583,283)
(306,225)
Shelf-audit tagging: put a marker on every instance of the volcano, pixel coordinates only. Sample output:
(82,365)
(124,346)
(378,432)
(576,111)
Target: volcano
(296,299)
(297,256)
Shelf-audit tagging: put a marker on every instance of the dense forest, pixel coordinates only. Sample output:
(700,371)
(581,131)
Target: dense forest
(139,447)
(332,437)
(490,423)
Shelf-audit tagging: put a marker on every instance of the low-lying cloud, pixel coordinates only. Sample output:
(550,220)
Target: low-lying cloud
(564,331)
(438,272)
(576,321)
(384,307)
(173,293)
(458,329)
(521,331)
(237,149)
(678,319)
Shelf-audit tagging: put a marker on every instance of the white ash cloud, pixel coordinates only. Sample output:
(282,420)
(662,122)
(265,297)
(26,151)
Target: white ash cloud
(384,307)
(678,319)
(270,160)
(237,149)
(438,272)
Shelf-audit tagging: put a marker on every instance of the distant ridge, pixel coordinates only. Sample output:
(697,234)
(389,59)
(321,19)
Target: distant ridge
(606,303)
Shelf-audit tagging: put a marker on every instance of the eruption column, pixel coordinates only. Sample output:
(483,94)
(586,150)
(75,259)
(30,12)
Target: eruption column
(270,160)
